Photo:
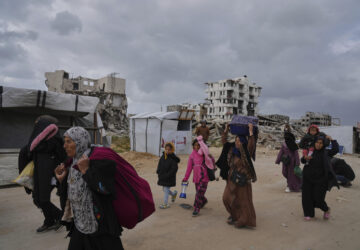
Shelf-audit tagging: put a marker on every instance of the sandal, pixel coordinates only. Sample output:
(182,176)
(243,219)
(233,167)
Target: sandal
(164,206)
(307,218)
(327,215)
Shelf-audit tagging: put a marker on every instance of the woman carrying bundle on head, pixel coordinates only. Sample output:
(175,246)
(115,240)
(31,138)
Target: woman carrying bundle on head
(237,196)
(289,156)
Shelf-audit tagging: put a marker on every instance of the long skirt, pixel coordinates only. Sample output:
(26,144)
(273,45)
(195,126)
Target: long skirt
(201,187)
(293,182)
(313,196)
(80,241)
(238,202)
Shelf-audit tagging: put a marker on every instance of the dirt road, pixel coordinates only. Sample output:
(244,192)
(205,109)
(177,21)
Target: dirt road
(280,223)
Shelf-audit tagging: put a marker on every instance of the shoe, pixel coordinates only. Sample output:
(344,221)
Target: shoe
(56,226)
(230,221)
(195,213)
(327,215)
(287,190)
(43,228)
(173,197)
(347,184)
(307,218)
(164,206)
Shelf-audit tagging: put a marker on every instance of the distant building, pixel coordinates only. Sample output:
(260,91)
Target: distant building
(309,118)
(200,109)
(231,97)
(282,118)
(273,119)
(109,89)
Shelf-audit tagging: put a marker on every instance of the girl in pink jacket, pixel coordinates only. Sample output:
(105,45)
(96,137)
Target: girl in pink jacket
(196,163)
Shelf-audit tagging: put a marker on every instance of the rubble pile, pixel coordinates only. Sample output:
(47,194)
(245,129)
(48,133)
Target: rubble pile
(271,132)
(113,111)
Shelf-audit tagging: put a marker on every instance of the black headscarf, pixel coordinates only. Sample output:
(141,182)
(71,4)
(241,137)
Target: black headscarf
(290,141)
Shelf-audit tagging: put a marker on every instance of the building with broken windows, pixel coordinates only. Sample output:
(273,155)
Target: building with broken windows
(110,90)
(230,97)
(309,118)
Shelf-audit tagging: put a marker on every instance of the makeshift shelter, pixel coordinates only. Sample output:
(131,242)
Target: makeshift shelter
(150,131)
(19,109)
(347,136)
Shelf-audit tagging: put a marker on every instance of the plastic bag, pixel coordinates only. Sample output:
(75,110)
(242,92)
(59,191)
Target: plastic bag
(298,171)
(26,178)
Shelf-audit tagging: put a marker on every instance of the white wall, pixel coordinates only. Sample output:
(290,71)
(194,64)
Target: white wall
(343,135)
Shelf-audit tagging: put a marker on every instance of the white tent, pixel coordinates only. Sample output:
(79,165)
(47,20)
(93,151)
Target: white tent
(150,131)
(345,136)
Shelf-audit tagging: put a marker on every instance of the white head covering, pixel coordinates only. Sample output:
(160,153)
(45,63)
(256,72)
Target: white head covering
(82,139)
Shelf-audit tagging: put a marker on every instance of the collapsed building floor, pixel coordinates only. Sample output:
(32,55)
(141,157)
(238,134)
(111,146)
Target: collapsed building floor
(271,132)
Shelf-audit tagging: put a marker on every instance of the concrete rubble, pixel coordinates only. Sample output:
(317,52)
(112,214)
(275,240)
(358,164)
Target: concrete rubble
(271,133)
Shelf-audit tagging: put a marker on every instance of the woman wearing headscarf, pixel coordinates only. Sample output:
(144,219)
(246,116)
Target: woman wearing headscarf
(89,187)
(289,156)
(46,150)
(237,195)
(318,177)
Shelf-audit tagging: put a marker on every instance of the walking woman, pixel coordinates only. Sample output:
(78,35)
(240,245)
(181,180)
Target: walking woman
(237,196)
(198,161)
(289,156)
(89,187)
(46,150)
(318,177)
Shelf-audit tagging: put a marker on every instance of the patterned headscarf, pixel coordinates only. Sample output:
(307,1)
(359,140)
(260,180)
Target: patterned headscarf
(82,139)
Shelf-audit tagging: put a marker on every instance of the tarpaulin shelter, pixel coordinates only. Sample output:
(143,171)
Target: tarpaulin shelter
(150,131)
(19,109)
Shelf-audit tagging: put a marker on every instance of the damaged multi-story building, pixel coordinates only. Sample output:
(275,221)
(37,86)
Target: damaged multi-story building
(309,118)
(200,110)
(110,90)
(230,97)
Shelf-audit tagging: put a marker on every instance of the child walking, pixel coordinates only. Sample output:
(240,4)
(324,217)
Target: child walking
(166,170)
(199,160)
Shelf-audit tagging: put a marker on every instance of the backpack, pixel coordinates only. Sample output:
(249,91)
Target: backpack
(134,201)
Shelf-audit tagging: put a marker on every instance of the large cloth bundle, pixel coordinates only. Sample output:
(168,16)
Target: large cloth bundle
(239,124)
(134,201)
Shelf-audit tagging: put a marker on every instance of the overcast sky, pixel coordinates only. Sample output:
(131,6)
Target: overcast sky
(305,54)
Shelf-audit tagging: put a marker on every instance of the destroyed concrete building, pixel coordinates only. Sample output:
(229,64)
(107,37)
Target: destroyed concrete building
(320,119)
(110,90)
(200,109)
(230,97)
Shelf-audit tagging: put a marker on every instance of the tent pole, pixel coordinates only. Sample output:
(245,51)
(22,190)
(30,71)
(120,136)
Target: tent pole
(161,123)
(134,137)
(95,126)
(146,132)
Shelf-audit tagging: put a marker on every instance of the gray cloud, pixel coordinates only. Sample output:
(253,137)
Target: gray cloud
(66,23)
(305,54)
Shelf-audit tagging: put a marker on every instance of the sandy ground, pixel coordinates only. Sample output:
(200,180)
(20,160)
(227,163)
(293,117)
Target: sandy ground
(280,223)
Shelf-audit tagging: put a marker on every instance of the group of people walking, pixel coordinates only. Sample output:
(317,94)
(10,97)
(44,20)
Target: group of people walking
(236,167)
(86,190)
(318,175)
(86,207)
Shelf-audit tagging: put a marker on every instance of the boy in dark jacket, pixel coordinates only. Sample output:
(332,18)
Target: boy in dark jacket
(167,169)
